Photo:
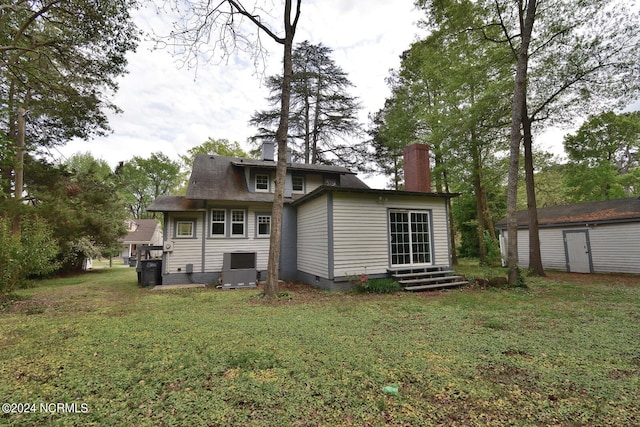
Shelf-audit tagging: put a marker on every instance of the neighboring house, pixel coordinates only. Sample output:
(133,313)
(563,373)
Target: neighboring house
(141,232)
(334,225)
(592,237)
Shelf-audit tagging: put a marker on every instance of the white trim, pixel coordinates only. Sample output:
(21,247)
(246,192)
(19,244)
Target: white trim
(263,190)
(410,243)
(258,217)
(180,222)
(233,222)
(223,222)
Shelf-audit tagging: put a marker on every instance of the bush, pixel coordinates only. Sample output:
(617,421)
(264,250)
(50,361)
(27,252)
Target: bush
(362,284)
(29,253)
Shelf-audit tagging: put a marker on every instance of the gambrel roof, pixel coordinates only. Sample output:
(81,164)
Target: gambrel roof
(223,178)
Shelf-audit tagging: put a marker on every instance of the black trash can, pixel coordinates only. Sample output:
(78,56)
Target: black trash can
(151,272)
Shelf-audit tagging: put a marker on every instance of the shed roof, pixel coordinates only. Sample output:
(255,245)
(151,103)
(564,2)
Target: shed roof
(603,211)
(142,233)
(372,191)
(176,204)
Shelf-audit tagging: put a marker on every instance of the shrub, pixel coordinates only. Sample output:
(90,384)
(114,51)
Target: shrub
(362,284)
(29,253)
(494,256)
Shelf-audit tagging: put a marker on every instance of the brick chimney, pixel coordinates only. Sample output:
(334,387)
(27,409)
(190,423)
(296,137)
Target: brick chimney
(417,175)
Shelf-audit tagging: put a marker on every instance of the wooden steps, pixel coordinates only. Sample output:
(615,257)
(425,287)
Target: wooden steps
(419,279)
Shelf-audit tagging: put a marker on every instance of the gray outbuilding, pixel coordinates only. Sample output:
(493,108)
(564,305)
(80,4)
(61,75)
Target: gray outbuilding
(591,237)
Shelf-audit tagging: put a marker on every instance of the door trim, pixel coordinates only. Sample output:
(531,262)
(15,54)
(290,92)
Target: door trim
(429,214)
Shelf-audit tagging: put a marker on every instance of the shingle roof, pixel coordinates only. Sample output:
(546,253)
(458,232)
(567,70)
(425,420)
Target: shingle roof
(143,232)
(293,166)
(222,178)
(175,204)
(617,210)
(372,191)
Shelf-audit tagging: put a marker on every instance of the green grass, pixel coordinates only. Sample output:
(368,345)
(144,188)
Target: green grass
(565,352)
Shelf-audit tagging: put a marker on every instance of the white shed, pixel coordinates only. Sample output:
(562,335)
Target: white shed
(591,237)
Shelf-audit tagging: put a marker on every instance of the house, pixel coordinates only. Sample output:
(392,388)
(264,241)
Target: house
(141,232)
(334,225)
(592,237)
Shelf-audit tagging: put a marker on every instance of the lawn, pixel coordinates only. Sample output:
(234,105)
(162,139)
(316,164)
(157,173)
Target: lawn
(565,352)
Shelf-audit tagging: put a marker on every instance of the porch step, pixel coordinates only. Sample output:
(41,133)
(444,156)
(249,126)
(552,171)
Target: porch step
(418,279)
(422,274)
(436,286)
(426,280)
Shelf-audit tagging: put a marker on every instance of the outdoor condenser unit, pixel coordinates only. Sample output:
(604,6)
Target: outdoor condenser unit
(239,270)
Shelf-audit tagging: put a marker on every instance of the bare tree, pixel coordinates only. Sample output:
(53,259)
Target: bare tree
(206,27)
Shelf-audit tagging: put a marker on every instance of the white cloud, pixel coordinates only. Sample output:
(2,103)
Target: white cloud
(171,109)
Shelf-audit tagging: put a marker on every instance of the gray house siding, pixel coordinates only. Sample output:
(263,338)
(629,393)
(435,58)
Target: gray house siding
(614,248)
(312,239)
(204,252)
(289,251)
(334,225)
(344,234)
(598,236)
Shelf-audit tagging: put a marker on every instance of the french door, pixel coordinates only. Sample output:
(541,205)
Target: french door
(409,237)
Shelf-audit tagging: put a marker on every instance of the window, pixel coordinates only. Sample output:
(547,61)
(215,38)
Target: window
(298,183)
(237,222)
(185,229)
(263,225)
(409,237)
(331,182)
(218,217)
(262,182)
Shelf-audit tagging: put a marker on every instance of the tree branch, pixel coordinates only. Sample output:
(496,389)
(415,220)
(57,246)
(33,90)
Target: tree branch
(257,20)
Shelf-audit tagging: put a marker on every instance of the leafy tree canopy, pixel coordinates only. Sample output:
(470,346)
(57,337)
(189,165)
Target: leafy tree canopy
(59,60)
(142,180)
(604,157)
(82,208)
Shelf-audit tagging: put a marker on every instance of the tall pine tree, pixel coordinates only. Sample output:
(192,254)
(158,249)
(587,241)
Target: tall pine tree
(323,114)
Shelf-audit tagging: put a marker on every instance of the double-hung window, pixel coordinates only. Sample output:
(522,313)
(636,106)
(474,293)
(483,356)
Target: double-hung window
(218,222)
(262,182)
(263,225)
(238,222)
(297,182)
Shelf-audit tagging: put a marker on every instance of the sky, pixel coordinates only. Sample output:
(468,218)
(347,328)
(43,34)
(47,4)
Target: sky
(172,109)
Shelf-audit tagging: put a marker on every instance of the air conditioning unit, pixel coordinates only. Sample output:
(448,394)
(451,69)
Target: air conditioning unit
(167,247)
(239,270)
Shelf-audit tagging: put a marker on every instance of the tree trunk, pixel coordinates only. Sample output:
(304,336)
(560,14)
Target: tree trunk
(452,229)
(441,177)
(316,120)
(535,257)
(19,166)
(477,184)
(273,266)
(307,126)
(519,96)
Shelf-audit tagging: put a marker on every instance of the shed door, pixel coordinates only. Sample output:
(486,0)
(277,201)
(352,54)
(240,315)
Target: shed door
(577,251)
